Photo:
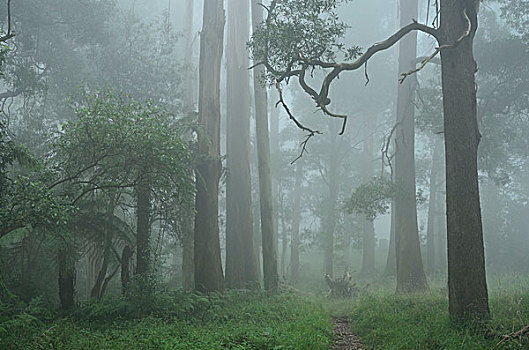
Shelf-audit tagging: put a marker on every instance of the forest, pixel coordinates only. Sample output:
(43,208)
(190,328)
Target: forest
(264,174)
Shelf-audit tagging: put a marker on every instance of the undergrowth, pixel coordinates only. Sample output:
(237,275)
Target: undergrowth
(387,321)
(236,320)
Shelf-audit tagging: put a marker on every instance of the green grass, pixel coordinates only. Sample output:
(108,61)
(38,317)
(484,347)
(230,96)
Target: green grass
(386,321)
(247,320)
(236,321)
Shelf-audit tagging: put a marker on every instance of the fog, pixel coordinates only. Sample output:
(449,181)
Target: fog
(156,152)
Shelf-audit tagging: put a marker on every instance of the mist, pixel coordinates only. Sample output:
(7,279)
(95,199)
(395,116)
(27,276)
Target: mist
(286,174)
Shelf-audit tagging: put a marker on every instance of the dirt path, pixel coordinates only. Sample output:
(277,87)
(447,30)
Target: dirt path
(344,338)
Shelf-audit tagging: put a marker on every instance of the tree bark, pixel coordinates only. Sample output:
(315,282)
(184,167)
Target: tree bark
(431,239)
(296,219)
(95,293)
(190,72)
(410,272)
(125,268)
(368,240)
(188,266)
(391,263)
(268,233)
(284,244)
(143,229)
(467,285)
(208,265)
(329,221)
(241,264)
(442,252)
(66,279)
(275,151)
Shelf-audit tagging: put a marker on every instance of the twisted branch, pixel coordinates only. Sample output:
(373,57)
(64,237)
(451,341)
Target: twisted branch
(465,34)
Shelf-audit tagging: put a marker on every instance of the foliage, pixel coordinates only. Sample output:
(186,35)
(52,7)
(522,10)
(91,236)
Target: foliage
(293,29)
(25,198)
(372,199)
(115,142)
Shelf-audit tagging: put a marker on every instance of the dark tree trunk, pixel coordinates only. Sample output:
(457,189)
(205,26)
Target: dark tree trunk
(410,272)
(208,264)
(442,249)
(66,279)
(143,228)
(95,293)
(107,281)
(296,219)
(188,265)
(467,286)
(268,233)
(241,264)
(126,255)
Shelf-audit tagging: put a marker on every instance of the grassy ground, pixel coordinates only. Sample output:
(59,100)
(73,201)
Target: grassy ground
(386,321)
(293,320)
(236,321)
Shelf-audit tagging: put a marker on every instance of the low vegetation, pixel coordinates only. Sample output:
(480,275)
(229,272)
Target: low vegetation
(254,320)
(172,321)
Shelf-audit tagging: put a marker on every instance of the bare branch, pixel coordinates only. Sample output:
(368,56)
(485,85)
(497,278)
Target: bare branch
(290,115)
(304,147)
(385,150)
(424,62)
(384,45)
(365,74)
(465,34)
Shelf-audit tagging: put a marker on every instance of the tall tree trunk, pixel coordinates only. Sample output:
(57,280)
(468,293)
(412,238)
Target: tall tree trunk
(66,279)
(284,244)
(368,241)
(143,229)
(190,72)
(296,220)
(241,264)
(329,222)
(95,293)
(467,285)
(275,151)
(257,231)
(442,248)
(432,208)
(126,255)
(391,263)
(188,266)
(268,233)
(410,272)
(208,264)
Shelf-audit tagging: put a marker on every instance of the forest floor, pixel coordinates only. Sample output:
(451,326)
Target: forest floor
(344,339)
(375,319)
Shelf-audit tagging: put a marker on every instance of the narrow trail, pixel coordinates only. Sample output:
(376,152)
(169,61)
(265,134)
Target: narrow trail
(343,335)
